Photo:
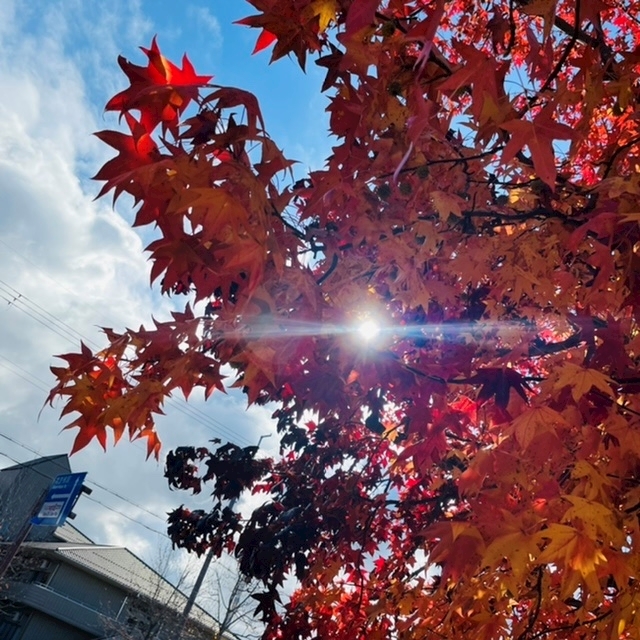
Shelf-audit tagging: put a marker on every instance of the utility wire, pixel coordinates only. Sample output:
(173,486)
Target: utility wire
(8,288)
(41,384)
(93,482)
(106,506)
(64,330)
(16,303)
(19,301)
(37,268)
(15,373)
(32,450)
(124,515)
(63,468)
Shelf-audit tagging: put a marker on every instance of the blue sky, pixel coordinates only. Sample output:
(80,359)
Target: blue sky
(68,264)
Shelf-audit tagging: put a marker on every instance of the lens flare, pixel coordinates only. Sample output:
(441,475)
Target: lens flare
(369,330)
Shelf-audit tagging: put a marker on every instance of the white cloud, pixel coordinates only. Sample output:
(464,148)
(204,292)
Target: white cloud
(69,264)
(203,19)
(60,250)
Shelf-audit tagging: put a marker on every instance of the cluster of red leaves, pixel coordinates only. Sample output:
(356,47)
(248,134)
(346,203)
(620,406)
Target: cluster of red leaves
(475,470)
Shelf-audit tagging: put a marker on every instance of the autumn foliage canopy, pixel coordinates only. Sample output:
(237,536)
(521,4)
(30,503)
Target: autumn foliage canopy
(474,470)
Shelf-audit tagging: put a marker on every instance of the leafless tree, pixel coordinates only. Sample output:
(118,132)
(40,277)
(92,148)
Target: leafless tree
(232,604)
(152,616)
(226,595)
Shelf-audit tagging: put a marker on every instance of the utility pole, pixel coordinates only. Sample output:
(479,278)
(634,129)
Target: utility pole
(205,567)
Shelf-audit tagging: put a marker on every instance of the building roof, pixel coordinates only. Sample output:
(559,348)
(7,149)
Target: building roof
(121,566)
(68,533)
(61,457)
(113,564)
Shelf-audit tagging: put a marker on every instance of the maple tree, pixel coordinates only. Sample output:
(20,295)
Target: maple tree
(475,468)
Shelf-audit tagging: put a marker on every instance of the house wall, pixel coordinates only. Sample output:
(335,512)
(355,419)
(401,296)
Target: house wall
(86,602)
(20,489)
(43,627)
(87,589)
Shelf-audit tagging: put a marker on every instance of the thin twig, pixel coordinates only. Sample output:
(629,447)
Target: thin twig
(565,54)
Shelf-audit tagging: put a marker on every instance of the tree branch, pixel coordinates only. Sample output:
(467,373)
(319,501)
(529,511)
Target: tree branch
(329,271)
(536,611)
(540,213)
(565,54)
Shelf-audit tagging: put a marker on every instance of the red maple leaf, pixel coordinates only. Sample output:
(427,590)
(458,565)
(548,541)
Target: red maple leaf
(134,151)
(538,135)
(161,91)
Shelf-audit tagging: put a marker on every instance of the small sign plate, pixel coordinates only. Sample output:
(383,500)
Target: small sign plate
(60,499)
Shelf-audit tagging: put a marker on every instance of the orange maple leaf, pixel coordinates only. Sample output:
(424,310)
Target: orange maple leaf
(538,135)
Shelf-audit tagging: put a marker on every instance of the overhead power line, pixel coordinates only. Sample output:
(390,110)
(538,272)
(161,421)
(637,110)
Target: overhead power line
(39,384)
(87,497)
(106,506)
(20,302)
(93,482)
(16,299)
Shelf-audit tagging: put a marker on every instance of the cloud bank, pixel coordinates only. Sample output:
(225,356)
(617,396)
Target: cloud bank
(69,264)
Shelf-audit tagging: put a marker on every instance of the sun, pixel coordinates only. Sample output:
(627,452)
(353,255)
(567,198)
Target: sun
(369,330)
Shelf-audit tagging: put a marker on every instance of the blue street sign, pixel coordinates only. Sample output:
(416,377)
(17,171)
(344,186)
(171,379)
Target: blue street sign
(60,499)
